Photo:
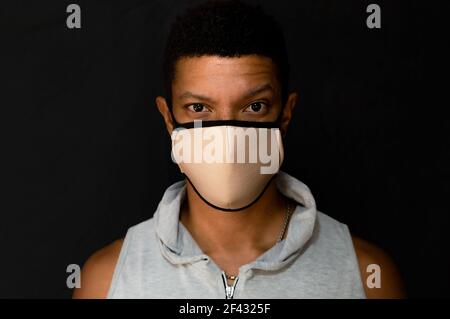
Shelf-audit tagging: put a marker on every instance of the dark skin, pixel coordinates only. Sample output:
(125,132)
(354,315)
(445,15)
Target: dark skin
(241,88)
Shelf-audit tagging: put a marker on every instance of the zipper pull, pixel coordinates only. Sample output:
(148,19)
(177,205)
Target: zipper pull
(229,290)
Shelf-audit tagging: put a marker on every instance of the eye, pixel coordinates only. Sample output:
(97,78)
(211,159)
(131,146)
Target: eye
(197,108)
(255,107)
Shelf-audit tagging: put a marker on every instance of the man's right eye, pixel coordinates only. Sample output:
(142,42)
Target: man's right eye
(197,107)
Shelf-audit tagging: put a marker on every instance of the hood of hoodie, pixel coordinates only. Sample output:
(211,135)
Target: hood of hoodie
(179,247)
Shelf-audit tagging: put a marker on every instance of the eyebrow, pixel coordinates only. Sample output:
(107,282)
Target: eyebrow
(258,90)
(252,93)
(188,94)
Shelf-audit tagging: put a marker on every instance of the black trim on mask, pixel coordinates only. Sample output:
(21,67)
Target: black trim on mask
(229,123)
(231,209)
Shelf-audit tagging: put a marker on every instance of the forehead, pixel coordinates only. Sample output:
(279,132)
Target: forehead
(215,73)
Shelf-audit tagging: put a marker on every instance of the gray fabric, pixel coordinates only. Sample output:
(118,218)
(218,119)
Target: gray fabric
(160,259)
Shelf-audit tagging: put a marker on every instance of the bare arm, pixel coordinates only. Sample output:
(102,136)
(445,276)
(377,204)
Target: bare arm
(391,283)
(97,272)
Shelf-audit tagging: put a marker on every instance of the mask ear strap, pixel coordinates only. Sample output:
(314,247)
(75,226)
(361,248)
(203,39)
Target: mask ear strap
(175,123)
(278,120)
(231,209)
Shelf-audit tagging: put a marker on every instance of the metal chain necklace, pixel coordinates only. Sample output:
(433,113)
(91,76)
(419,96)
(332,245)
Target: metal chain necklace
(280,237)
(286,221)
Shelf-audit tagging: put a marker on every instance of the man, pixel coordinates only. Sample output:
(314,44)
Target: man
(230,230)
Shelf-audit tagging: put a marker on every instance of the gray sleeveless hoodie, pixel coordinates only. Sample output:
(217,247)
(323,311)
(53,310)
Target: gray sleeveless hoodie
(160,259)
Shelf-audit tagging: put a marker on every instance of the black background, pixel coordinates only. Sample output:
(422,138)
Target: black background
(87,156)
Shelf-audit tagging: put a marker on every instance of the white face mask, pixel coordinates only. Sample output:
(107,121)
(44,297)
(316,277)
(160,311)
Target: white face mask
(228,163)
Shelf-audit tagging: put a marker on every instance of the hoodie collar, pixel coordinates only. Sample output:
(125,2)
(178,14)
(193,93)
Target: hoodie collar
(178,246)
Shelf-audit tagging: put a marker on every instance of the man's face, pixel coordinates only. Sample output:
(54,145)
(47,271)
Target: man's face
(220,88)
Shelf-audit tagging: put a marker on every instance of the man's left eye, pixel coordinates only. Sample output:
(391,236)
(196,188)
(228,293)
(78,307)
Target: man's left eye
(255,107)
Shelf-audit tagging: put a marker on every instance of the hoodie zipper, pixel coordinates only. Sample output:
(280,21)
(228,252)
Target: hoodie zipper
(229,290)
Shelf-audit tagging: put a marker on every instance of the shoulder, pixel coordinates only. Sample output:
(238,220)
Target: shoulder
(98,271)
(377,268)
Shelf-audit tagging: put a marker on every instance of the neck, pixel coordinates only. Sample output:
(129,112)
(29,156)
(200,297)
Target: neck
(250,231)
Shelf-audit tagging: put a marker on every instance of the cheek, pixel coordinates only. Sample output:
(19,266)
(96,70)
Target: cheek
(275,111)
(178,113)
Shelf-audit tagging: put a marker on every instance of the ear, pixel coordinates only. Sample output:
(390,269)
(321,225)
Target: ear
(163,108)
(287,112)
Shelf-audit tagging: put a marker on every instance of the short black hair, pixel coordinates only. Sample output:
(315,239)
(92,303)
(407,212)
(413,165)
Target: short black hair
(227,28)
